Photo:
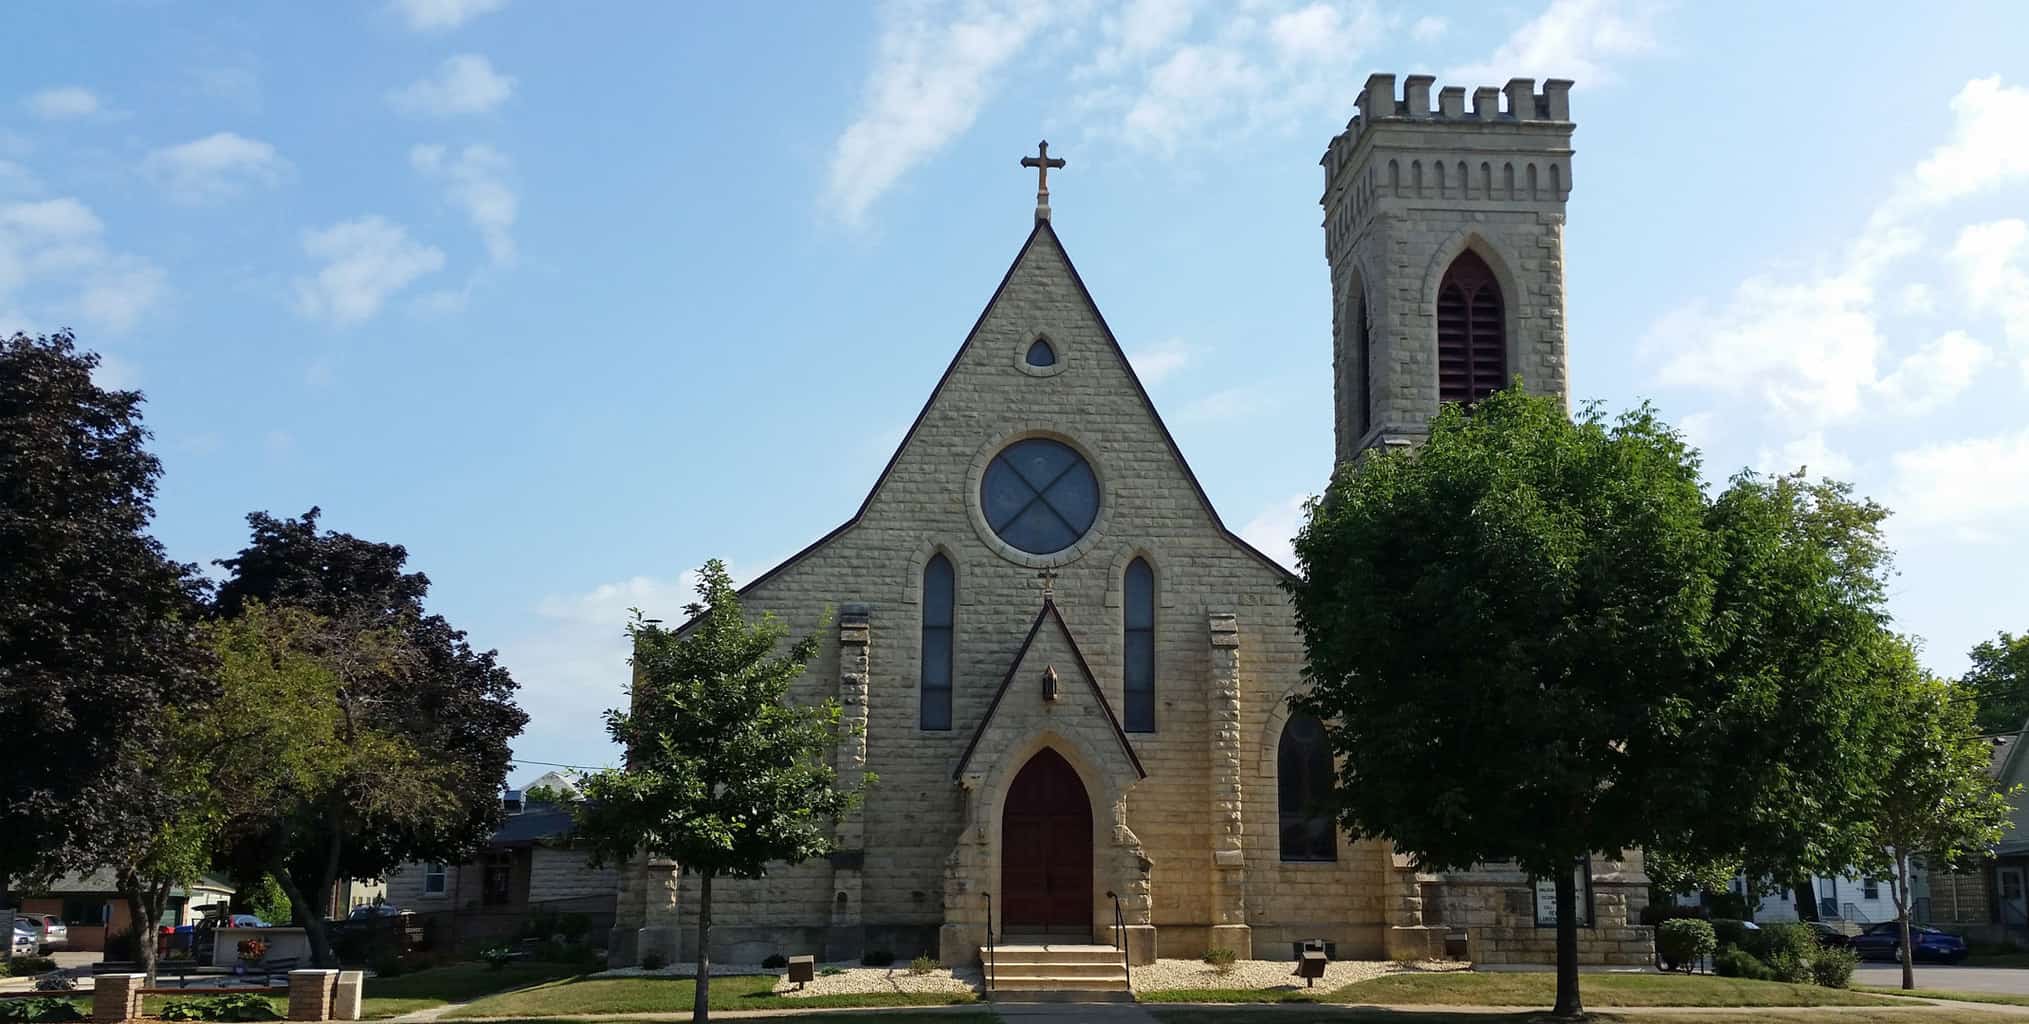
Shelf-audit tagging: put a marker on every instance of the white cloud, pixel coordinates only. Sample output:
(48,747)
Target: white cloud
(364,262)
(1142,27)
(62,103)
(1988,146)
(1428,29)
(930,78)
(1936,373)
(465,84)
(1917,299)
(1273,530)
(1993,261)
(475,181)
(1967,487)
(572,661)
(55,266)
(1808,453)
(1576,39)
(1195,84)
(437,15)
(1161,359)
(1807,349)
(215,167)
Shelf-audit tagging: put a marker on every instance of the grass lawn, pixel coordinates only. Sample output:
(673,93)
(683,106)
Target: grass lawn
(1374,1015)
(673,995)
(1473,988)
(453,983)
(2002,998)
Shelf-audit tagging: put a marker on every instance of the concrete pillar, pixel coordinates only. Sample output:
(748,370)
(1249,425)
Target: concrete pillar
(116,997)
(845,939)
(310,994)
(1229,854)
(345,999)
(660,931)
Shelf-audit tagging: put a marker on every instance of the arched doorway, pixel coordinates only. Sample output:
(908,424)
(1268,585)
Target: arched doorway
(1046,851)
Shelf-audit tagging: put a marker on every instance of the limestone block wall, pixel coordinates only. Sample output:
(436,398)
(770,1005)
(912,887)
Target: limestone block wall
(565,874)
(1496,908)
(926,503)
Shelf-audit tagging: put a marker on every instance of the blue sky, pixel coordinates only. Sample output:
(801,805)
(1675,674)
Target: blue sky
(569,298)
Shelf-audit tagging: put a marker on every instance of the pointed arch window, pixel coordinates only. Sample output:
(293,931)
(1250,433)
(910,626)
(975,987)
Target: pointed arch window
(939,592)
(1366,349)
(1472,346)
(1041,354)
(1303,786)
(1138,658)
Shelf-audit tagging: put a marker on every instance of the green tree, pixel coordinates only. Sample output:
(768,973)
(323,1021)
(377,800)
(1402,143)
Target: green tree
(402,677)
(1562,588)
(97,625)
(724,774)
(1933,799)
(1999,676)
(313,776)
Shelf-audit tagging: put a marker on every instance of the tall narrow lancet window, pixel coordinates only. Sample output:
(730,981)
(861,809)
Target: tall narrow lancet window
(1365,345)
(939,590)
(1138,668)
(1303,786)
(1472,347)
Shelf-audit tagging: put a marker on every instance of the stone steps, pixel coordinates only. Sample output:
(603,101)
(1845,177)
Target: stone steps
(1081,973)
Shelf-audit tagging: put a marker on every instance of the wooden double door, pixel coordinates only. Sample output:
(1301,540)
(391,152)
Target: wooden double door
(1046,851)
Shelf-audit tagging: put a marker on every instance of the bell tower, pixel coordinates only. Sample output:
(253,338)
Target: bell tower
(1444,229)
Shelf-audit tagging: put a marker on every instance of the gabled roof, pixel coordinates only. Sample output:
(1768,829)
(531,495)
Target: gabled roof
(1042,227)
(1049,613)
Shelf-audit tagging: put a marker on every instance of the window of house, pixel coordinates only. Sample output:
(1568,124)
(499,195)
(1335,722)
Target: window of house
(1472,348)
(496,886)
(433,880)
(84,910)
(1041,354)
(1303,785)
(939,593)
(1870,888)
(1138,668)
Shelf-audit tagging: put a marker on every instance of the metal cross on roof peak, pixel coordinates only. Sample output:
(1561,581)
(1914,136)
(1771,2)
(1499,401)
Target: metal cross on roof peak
(1042,162)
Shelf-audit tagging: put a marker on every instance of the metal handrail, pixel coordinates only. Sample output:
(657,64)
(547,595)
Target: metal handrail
(992,973)
(1120,939)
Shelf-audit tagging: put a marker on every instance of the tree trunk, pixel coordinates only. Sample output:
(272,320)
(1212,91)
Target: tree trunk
(1806,899)
(313,924)
(700,1006)
(143,913)
(1899,888)
(1568,1002)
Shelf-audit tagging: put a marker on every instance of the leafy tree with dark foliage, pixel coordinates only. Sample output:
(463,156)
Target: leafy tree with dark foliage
(1534,639)
(97,625)
(724,773)
(1999,679)
(402,675)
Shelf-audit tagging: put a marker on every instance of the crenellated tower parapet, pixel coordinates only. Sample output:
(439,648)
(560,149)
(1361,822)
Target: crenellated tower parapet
(1410,185)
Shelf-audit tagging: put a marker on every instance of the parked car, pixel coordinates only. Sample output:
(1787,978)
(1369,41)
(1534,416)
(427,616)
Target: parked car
(243,921)
(26,937)
(369,911)
(1828,937)
(1884,942)
(55,934)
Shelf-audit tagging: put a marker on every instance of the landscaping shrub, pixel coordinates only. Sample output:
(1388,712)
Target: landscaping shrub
(832,972)
(23,966)
(923,964)
(877,958)
(775,962)
(555,952)
(242,1007)
(56,981)
(653,961)
(1734,962)
(1788,950)
(1682,942)
(573,927)
(1833,968)
(1656,912)
(1220,958)
(1739,934)
(388,964)
(36,1011)
(497,957)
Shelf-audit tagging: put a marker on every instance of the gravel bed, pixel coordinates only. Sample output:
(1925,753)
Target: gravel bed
(1264,974)
(856,980)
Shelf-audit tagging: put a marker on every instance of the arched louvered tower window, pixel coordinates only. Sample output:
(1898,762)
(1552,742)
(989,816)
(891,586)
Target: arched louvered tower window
(939,591)
(1366,347)
(1472,345)
(1138,675)
(1303,782)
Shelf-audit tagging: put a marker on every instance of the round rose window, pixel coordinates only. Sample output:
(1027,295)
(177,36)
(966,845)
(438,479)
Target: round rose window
(1039,496)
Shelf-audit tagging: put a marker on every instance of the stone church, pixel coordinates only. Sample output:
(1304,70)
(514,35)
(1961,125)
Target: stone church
(1073,676)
